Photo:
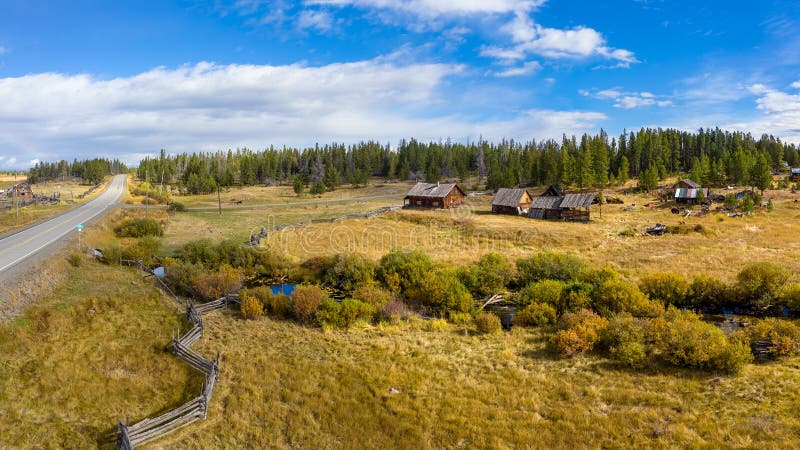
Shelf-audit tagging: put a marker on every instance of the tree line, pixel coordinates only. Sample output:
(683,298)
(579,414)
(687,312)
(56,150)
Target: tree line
(90,170)
(711,156)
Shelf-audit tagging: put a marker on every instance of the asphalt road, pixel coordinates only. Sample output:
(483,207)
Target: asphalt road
(19,249)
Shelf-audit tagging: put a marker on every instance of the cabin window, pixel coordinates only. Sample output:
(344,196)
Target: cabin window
(435,203)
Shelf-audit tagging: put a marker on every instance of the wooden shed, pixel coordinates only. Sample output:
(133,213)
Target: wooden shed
(688,191)
(545,207)
(576,207)
(511,201)
(794,174)
(434,195)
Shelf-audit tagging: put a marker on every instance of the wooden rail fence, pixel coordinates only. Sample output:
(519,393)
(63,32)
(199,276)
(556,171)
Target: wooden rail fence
(149,429)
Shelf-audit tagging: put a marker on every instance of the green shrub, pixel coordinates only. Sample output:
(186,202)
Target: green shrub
(790,296)
(488,323)
(373,294)
(250,306)
(549,266)
(143,249)
(177,207)
(179,275)
(759,284)
(690,342)
(211,285)
(395,311)
(550,292)
(708,291)
(489,276)
(75,259)
(535,315)
(667,287)
(578,332)
(624,340)
(348,272)
(614,297)
(306,301)
(112,254)
(402,269)
(139,228)
(784,334)
(331,314)
(280,306)
(442,293)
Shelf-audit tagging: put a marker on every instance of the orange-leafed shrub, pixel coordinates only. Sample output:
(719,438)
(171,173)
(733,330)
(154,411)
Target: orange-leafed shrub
(213,285)
(306,301)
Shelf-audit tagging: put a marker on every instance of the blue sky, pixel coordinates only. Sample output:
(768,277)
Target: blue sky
(124,79)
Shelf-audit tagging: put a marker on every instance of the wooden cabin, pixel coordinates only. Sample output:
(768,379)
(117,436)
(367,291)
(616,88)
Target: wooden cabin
(794,174)
(687,191)
(567,207)
(434,195)
(511,201)
(21,191)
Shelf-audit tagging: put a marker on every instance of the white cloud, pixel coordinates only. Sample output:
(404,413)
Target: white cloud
(437,8)
(796,85)
(528,68)
(780,114)
(209,107)
(319,20)
(627,100)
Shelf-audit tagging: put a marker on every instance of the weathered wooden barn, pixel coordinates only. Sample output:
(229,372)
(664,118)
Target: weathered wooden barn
(511,201)
(568,207)
(21,191)
(435,195)
(688,191)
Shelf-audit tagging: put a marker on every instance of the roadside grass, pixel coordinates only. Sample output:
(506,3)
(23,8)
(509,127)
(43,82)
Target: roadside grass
(284,385)
(93,350)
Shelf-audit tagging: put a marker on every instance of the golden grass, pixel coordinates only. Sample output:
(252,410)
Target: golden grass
(91,351)
(283,385)
(462,236)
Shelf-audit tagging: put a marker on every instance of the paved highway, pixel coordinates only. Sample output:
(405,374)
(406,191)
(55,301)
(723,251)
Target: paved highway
(17,248)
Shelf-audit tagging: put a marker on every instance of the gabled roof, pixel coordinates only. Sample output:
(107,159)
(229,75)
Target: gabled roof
(546,202)
(577,200)
(690,183)
(436,190)
(508,197)
(553,191)
(795,170)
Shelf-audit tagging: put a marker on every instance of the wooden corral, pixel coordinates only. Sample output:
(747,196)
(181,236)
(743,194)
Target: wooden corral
(511,201)
(435,195)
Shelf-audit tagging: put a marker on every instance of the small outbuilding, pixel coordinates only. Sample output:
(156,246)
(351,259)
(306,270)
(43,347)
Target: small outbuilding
(689,192)
(554,205)
(794,174)
(435,195)
(511,201)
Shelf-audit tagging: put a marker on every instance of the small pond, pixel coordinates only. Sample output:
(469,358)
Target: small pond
(285,289)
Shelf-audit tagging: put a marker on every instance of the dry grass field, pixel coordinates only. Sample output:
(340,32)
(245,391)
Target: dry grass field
(70,190)
(72,364)
(462,236)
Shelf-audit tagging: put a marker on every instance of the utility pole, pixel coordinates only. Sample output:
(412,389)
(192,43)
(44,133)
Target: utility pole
(146,190)
(219,201)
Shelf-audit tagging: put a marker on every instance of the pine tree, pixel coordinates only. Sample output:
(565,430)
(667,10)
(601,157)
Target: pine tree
(298,185)
(623,173)
(761,176)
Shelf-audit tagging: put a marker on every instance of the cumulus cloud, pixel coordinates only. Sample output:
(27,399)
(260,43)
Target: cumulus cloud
(576,43)
(780,113)
(208,107)
(319,20)
(627,100)
(528,68)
